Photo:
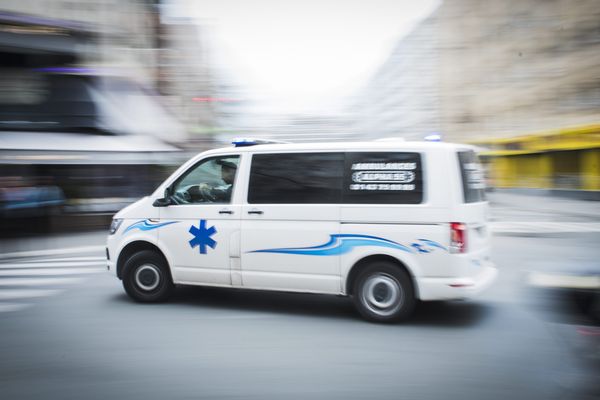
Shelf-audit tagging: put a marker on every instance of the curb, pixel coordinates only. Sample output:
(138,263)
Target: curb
(543,234)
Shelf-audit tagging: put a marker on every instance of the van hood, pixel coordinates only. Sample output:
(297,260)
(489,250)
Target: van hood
(141,209)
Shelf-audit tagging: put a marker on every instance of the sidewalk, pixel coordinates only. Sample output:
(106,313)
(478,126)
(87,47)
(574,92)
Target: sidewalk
(522,208)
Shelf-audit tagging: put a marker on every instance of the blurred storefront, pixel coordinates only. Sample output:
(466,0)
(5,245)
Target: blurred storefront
(563,161)
(78,136)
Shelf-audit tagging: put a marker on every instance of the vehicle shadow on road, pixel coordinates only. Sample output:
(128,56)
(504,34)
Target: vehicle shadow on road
(458,314)
(231,302)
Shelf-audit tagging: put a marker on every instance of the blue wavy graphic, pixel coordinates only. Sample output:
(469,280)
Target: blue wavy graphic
(146,225)
(339,244)
(432,244)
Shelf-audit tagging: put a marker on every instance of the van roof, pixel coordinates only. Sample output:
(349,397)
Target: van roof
(344,146)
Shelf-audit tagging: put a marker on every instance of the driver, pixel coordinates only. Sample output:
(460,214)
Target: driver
(222,193)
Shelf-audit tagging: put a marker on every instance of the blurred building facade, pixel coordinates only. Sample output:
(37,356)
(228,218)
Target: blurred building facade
(132,37)
(126,32)
(486,72)
(81,109)
(403,98)
(513,67)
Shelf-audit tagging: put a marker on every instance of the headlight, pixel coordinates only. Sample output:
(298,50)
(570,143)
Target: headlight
(114,226)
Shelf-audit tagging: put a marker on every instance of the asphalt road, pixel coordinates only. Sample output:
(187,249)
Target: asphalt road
(90,341)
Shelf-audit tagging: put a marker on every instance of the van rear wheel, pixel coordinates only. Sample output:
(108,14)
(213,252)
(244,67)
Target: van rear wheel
(146,277)
(383,292)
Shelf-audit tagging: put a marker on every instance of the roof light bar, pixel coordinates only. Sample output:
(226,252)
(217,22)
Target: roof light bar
(243,142)
(434,137)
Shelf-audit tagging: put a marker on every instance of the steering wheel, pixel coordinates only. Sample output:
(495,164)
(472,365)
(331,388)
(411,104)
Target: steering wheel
(206,193)
(182,197)
(194,194)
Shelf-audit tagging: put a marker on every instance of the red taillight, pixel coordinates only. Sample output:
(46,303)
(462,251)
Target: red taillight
(458,237)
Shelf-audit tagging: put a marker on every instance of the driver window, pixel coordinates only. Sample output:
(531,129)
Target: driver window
(210,181)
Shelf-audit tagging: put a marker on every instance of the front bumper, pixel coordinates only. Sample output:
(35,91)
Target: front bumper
(111,255)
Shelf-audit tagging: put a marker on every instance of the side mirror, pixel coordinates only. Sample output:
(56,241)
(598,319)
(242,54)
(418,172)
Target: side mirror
(165,201)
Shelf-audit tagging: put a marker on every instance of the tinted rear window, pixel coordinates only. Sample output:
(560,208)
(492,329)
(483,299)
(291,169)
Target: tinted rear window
(473,178)
(383,178)
(300,178)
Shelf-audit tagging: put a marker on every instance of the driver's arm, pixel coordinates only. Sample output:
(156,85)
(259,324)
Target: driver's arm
(196,192)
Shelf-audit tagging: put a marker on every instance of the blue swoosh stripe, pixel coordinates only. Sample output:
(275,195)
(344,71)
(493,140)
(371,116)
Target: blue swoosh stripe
(433,244)
(339,244)
(146,225)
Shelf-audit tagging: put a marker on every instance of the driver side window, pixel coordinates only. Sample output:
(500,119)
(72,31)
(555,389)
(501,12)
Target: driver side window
(209,181)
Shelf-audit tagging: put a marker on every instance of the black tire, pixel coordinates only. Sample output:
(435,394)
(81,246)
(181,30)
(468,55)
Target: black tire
(383,292)
(146,277)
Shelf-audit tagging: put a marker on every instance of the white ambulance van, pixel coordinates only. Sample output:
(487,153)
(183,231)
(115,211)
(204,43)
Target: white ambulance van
(387,223)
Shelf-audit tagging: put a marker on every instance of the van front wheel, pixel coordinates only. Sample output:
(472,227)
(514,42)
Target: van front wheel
(146,277)
(383,292)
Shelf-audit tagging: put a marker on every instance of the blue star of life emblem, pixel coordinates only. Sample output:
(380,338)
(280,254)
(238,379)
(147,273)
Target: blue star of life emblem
(202,237)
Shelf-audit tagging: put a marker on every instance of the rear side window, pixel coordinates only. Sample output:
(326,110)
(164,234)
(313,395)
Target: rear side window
(473,178)
(383,178)
(299,178)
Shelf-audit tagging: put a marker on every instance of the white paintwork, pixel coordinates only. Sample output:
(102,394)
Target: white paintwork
(284,226)
(188,265)
(234,262)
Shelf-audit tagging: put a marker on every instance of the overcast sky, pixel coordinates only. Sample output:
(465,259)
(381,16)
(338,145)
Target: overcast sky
(304,55)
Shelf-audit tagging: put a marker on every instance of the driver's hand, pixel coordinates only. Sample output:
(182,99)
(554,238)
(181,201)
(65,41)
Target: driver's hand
(206,192)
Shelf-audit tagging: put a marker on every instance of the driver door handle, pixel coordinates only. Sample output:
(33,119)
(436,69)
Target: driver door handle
(226,212)
(255,212)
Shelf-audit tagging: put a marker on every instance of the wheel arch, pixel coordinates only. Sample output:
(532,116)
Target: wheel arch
(135,247)
(359,265)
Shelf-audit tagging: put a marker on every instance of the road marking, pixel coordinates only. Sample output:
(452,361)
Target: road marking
(564,281)
(49,252)
(72,259)
(13,294)
(50,271)
(39,281)
(36,278)
(52,264)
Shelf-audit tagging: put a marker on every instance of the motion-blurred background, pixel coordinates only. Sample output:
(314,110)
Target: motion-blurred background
(101,99)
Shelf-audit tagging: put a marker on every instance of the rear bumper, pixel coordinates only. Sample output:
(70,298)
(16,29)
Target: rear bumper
(457,288)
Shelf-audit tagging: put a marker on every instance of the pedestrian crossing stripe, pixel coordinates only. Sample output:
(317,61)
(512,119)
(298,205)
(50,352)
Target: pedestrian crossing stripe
(23,282)
(7,282)
(72,259)
(49,271)
(15,294)
(51,264)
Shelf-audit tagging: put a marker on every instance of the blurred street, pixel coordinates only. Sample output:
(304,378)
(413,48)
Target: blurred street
(69,331)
